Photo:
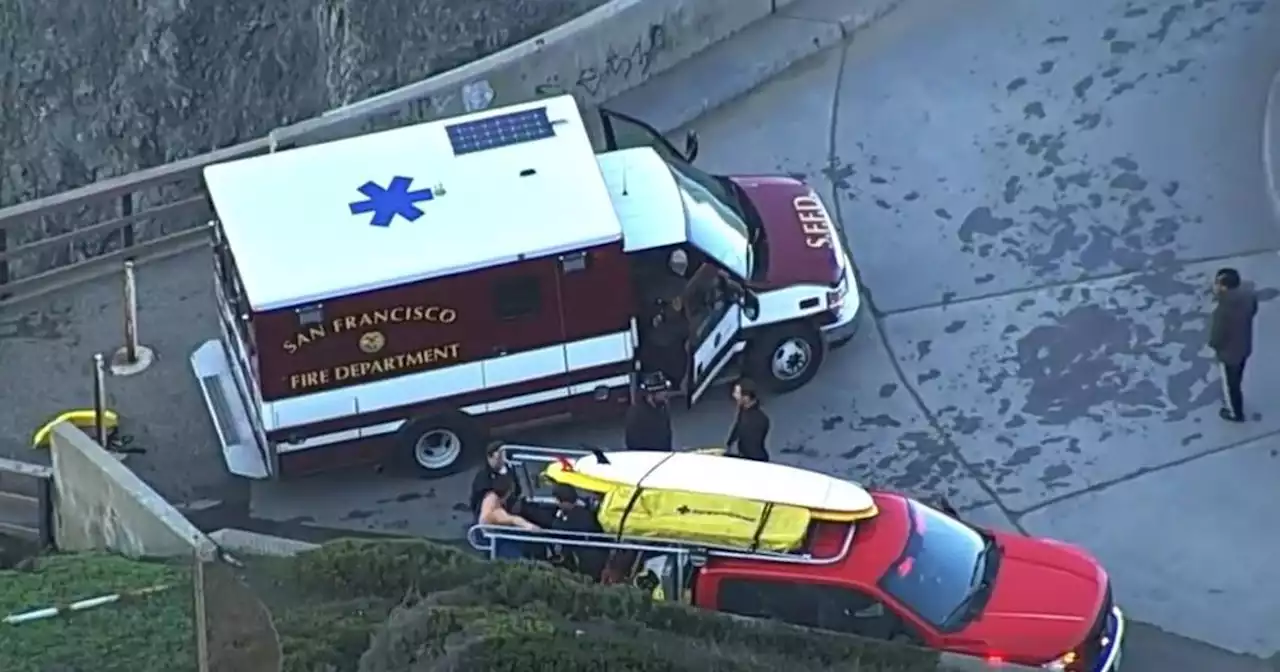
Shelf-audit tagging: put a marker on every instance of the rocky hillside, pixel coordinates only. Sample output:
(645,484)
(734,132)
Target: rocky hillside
(96,89)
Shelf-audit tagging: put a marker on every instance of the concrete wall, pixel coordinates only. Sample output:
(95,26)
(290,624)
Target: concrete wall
(101,505)
(594,57)
(96,89)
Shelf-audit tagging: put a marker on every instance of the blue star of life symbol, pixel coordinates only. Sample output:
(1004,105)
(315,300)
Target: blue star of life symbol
(394,199)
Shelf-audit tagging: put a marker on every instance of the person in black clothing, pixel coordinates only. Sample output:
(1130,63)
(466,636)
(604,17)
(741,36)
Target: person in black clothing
(667,341)
(751,426)
(649,419)
(573,516)
(1231,337)
(494,465)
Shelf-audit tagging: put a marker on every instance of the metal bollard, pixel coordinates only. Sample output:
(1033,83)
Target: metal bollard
(133,357)
(99,400)
(130,314)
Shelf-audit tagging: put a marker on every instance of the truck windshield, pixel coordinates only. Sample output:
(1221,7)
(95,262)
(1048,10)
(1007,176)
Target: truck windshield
(944,569)
(717,217)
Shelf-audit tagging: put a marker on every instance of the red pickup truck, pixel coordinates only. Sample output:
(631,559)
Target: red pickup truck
(902,571)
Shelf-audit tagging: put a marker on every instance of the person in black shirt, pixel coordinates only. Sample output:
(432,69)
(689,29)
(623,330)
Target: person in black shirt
(648,419)
(494,465)
(751,426)
(573,516)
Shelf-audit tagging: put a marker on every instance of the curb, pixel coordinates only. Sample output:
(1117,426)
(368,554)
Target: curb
(730,69)
(618,52)
(1271,144)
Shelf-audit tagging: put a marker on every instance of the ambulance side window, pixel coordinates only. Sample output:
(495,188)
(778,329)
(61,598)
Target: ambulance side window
(238,305)
(517,297)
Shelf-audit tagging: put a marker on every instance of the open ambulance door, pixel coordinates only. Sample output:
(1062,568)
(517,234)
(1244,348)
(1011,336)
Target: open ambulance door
(715,337)
(623,132)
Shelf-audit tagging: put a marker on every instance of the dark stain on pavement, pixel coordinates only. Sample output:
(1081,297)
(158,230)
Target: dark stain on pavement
(981,222)
(36,325)
(1082,87)
(1167,20)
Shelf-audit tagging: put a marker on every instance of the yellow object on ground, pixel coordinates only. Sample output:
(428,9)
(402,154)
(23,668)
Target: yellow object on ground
(85,419)
(712,519)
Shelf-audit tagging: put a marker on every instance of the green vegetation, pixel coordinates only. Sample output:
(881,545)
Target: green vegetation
(430,607)
(405,606)
(151,632)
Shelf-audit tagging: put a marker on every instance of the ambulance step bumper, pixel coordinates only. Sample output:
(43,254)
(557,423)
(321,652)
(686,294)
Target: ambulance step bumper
(230,418)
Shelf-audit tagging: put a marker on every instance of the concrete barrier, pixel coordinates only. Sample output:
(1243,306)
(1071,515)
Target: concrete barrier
(101,505)
(594,57)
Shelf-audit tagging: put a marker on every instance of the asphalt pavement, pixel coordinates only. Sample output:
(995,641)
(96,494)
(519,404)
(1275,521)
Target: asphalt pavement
(1036,195)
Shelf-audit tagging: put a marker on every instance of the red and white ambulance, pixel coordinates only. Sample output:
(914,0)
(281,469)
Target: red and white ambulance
(402,296)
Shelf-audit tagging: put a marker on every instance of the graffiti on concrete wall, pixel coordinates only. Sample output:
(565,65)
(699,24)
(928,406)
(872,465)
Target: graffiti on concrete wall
(472,97)
(618,66)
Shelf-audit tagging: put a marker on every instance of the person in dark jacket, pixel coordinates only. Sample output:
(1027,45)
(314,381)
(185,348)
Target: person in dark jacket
(494,465)
(649,419)
(667,341)
(1231,337)
(751,426)
(573,516)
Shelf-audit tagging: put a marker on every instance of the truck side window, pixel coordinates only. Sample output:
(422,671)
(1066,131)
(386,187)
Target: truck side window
(517,297)
(809,604)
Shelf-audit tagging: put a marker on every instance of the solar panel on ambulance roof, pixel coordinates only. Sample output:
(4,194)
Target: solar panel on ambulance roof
(501,130)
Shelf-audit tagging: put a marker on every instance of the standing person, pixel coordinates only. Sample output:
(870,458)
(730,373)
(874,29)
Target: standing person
(1231,337)
(751,426)
(670,335)
(495,465)
(649,419)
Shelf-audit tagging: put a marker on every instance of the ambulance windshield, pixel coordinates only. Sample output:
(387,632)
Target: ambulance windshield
(717,223)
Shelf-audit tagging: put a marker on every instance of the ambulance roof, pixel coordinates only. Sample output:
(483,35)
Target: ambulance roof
(412,203)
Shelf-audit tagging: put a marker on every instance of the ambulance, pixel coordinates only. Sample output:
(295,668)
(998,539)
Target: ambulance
(772,541)
(400,297)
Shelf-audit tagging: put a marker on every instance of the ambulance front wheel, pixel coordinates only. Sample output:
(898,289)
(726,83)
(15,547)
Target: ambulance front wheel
(786,357)
(441,445)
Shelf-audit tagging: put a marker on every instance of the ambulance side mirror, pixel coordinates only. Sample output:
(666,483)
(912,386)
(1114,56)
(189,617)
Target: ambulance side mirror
(750,304)
(691,146)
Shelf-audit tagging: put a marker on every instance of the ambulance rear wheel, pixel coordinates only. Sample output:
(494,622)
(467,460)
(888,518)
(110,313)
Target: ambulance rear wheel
(441,445)
(786,357)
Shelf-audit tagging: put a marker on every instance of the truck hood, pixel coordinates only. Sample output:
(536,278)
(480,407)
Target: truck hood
(803,242)
(1046,598)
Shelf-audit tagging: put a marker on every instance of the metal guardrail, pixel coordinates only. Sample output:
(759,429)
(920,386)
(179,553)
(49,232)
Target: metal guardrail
(144,215)
(26,501)
(161,211)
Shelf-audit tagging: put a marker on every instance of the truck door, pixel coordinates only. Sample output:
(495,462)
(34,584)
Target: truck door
(824,606)
(715,325)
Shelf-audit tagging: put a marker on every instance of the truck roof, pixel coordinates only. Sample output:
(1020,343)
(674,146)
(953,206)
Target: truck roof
(412,203)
